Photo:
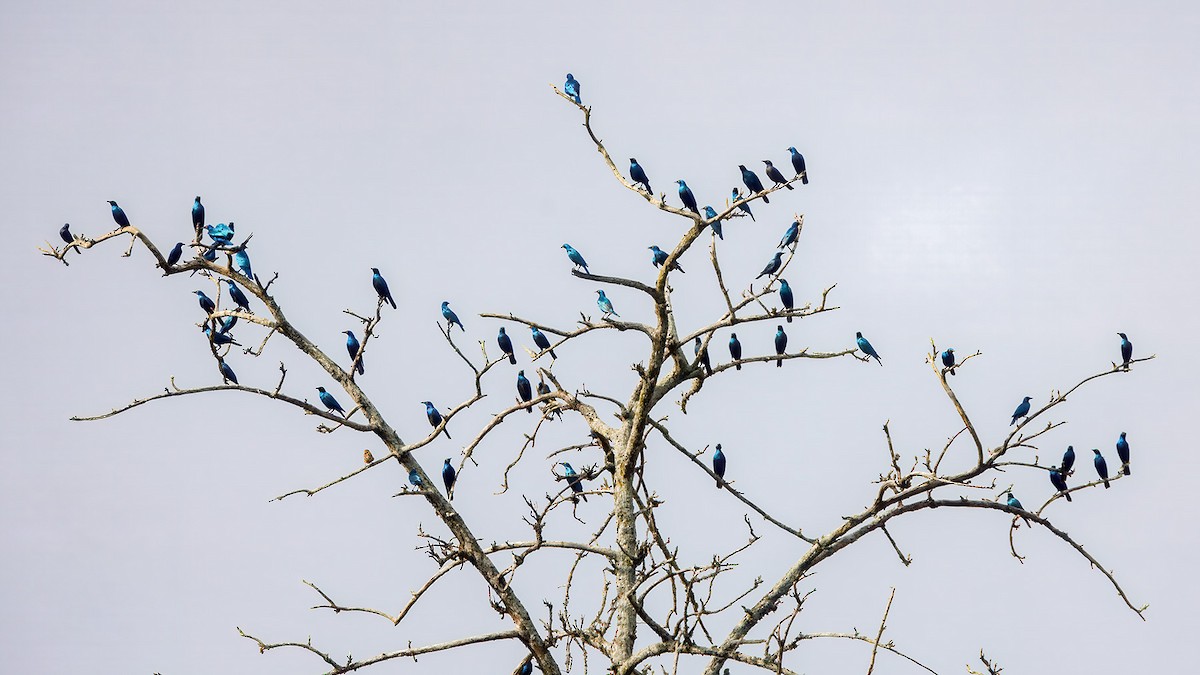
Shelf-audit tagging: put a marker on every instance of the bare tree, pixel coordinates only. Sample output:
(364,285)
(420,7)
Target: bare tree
(657,604)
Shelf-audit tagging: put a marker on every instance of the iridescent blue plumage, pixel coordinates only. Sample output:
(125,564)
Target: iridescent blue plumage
(785,297)
(798,165)
(702,355)
(780,345)
(686,196)
(329,401)
(451,317)
(718,462)
(239,298)
(745,208)
(773,266)
(571,87)
(448,477)
(948,359)
(605,305)
(576,258)
(352,346)
(575,482)
(866,347)
(1021,411)
(381,287)
(791,236)
(711,214)
(524,390)
(1059,482)
(638,175)
(1123,453)
(542,342)
(118,215)
(1101,467)
(506,346)
(659,258)
(753,184)
(206,302)
(175,254)
(735,350)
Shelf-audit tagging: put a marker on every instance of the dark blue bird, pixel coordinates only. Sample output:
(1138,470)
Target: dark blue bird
(526,667)
(542,342)
(798,165)
(1123,453)
(506,346)
(1068,460)
(175,254)
(448,476)
(210,255)
(752,182)
(197,215)
(219,338)
(713,222)
(239,298)
(227,372)
(571,87)
(776,175)
(866,347)
(702,355)
(791,236)
(242,260)
(1021,411)
(119,215)
(605,304)
(659,258)
(451,317)
(575,482)
(64,233)
(785,296)
(542,390)
(576,258)
(948,359)
(780,345)
(524,390)
(1015,503)
(435,417)
(773,266)
(329,401)
(1101,467)
(206,302)
(639,175)
(735,350)
(1059,482)
(227,323)
(414,477)
(381,287)
(1126,350)
(352,346)
(745,208)
(686,196)
(718,460)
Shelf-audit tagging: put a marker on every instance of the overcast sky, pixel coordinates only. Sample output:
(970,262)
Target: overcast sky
(1017,180)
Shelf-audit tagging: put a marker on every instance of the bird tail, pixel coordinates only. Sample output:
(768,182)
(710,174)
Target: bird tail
(649,189)
(1125,468)
(360,368)
(708,369)
(951,371)
(553,355)
(720,483)
(765,200)
(879,360)
(779,363)
(446,431)
(392,302)
(738,364)
(512,358)
(1106,485)
(789,319)
(751,216)
(529,410)
(804,178)
(788,186)
(1014,421)
(1067,495)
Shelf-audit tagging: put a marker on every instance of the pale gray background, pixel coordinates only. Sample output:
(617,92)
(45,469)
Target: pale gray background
(1014,179)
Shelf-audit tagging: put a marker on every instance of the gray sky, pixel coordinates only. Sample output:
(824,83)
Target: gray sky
(1014,179)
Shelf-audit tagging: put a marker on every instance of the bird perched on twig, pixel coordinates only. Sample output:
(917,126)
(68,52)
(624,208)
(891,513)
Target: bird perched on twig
(776,175)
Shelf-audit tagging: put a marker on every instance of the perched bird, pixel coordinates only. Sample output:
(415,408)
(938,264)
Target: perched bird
(1021,411)
(798,165)
(776,175)
(220,233)
(206,302)
(329,401)
(785,296)
(1101,467)
(524,390)
(571,87)
(352,346)
(1123,453)
(175,254)
(415,478)
(713,222)
(506,346)
(735,350)
(1059,482)
(773,266)
(1015,503)
(719,465)
(638,174)
(367,456)
(780,345)
(210,255)
(702,355)
(381,287)
(219,338)
(742,207)
(605,304)
(448,476)
(451,317)
(542,342)
(791,236)
(866,347)
(948,359)
(1126,350)
(118,215)
(242,260)
(686,196)
(197,215)
(1068,460)
(526,667)
(576,258)
(227,372)
(227,323)
(239,298)
(435,417)
(659,257)
(64,233)
(575,482)
(752,182)
(542,390)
